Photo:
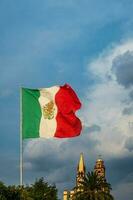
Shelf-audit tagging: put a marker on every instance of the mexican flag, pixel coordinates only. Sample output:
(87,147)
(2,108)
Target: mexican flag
(50,112)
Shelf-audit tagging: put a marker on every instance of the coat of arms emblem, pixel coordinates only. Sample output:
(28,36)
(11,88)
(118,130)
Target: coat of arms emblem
(48,110)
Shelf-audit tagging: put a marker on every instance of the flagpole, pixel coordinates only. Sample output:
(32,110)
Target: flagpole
(21,141)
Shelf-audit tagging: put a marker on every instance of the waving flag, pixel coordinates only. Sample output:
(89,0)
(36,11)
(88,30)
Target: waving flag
(50,112)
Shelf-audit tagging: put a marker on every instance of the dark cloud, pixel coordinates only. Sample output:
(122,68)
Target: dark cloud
(118,169)
(93,128)
(128,111)
(49,155)
(120,174)
(123,191)
(129,144)
(123,68)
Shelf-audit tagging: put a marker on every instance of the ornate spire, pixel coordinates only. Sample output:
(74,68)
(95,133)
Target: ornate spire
(81,164)
(80,170)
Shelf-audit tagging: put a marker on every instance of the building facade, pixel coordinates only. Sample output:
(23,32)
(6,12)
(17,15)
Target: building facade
(99,168)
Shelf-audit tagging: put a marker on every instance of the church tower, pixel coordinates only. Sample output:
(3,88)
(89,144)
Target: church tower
(100,168)
(80,170)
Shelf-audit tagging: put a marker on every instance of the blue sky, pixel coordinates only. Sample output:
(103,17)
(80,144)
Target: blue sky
(88,44)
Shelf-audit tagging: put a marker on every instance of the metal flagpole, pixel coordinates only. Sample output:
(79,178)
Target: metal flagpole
(21,141)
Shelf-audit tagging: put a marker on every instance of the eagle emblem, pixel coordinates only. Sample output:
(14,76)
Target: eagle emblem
(48,110)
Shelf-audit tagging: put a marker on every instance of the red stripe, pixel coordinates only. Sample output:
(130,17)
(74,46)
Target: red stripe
(68,125)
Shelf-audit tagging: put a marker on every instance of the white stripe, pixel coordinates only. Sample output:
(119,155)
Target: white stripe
(48,126)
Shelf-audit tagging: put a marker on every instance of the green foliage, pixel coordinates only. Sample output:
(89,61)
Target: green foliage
(40,190)
(3,191)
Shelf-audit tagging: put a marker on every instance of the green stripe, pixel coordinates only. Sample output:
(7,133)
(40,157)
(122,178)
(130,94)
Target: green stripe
(31,113)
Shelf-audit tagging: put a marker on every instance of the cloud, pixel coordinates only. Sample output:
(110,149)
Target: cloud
(119,170)
(49,158)
(123,68)
(107,98)
(119,174)
(108,103)
(57,162)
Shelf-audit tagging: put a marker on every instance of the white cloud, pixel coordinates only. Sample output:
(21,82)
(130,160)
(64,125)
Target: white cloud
(106,101)
(41,147)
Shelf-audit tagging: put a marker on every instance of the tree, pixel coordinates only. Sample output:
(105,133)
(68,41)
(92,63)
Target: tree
(40,190)
(93,187)
(3,191)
